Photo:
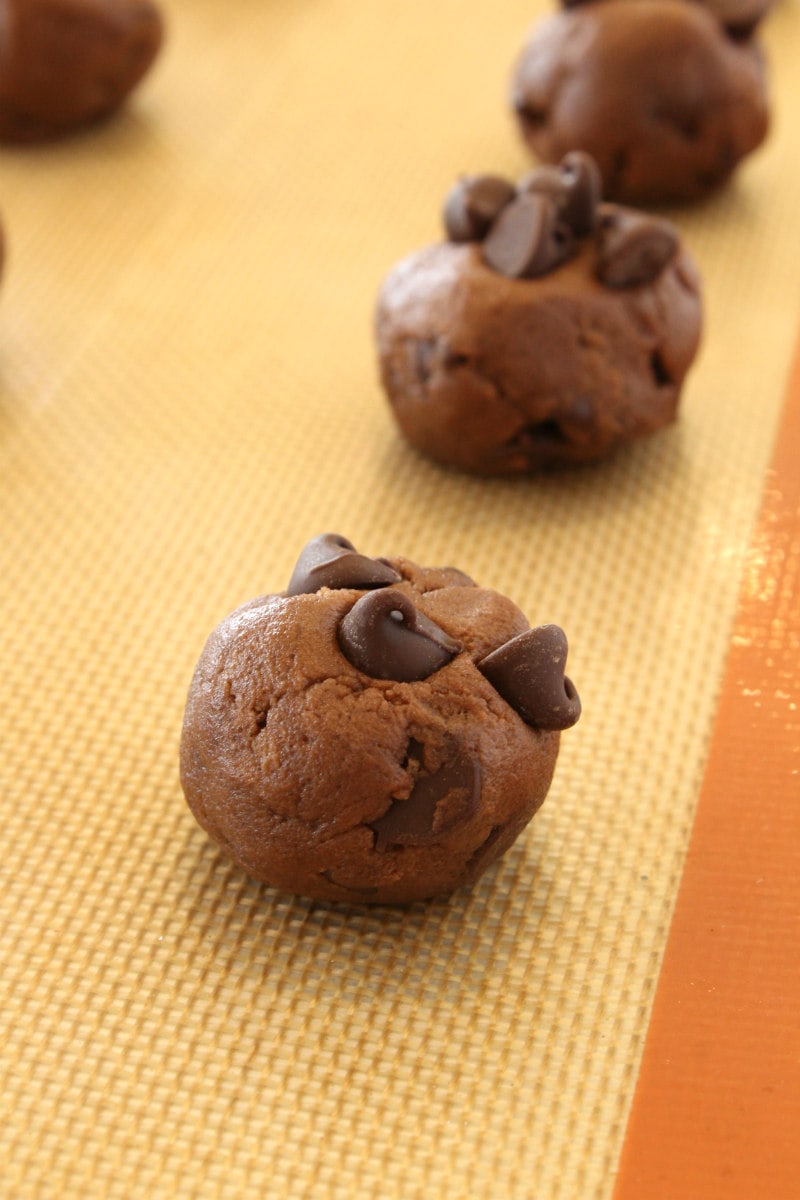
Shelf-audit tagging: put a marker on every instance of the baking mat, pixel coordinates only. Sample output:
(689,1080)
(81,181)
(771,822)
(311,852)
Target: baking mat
(717,1103)
(187,394)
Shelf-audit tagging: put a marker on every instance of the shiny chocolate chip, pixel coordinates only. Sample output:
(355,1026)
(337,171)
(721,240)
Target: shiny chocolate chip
(528,672)
(331,561)
(583,183)
(546,179)
(528,239)
(473,204)
(385,636)
(575,186)
(410,822)
(632,247)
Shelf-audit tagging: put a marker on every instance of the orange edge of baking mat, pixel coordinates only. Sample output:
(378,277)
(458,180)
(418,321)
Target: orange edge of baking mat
(716,1111)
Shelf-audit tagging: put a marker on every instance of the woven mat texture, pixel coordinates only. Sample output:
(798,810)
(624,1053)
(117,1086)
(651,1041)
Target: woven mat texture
(188,393)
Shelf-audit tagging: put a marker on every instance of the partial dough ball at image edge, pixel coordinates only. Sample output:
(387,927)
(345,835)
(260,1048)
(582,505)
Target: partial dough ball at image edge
(68,64)
(665,99)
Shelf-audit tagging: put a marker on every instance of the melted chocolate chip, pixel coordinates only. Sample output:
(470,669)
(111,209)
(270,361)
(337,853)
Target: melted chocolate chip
(385,636)
(410,822)
(473,204)
(528,238)
(331,561)
(633,248)
(528,672)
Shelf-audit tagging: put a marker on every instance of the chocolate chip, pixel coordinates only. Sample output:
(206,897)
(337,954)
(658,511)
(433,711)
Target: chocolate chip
(331,561)
(410,822)
(545,179)
(473,204)
(528,672)
(633,248)
(528,239)
(575,186)
(385,636)
(583,183)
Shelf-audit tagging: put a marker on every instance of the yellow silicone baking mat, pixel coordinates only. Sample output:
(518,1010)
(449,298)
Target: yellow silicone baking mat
(188,393)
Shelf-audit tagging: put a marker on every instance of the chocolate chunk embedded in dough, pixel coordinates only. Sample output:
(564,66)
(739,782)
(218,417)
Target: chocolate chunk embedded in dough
(412,822)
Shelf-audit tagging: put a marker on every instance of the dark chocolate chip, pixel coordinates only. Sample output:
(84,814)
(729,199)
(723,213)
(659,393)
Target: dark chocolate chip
(410,822)
(528,238)
(545,179)
(473,204)
(632,248)
(528,672)
(583,183)
(575,186)
(331,561)
(385,636)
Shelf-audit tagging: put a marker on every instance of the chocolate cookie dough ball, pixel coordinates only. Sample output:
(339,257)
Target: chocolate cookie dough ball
(657,91)
(740,17)
(68,63)
(547,331)
(380,732)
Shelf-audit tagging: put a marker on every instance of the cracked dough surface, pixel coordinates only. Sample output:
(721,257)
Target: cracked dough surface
(498,375)
(290,755)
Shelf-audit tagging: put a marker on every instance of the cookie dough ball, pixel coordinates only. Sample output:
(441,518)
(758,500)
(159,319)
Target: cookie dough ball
(656,90)
(68,63)
(544,333)
(740,17)
(380,732)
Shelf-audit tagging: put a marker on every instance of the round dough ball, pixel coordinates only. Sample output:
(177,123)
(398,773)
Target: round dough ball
(665,100)
(496,375)
(65,64)
(342,783)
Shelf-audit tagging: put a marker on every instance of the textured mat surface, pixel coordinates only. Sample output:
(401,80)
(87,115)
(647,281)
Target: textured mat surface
(187,394)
